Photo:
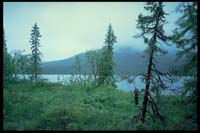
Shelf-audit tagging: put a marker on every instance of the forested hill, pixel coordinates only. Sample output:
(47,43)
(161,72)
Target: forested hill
(127,60)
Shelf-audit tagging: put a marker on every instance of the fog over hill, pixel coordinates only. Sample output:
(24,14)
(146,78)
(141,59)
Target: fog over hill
(127,59)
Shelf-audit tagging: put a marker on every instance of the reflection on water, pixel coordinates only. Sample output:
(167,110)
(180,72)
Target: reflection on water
(121,84)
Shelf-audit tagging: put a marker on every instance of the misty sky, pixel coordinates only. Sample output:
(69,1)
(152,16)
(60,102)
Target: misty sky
(69,28)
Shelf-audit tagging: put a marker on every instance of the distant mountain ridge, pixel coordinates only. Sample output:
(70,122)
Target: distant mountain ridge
(127,60)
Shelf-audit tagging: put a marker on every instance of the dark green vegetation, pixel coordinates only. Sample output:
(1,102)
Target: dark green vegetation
(95,104)
(36,54)
(106,65)
(7,61)
(83,107)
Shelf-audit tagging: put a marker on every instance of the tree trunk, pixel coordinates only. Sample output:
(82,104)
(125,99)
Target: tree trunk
(144,109)
(35,77)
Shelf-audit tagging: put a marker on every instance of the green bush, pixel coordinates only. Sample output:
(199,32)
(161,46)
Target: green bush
(49,106)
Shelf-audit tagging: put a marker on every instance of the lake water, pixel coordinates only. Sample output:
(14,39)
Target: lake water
(121,84)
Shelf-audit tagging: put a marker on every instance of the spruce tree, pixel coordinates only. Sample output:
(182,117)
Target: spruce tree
(106,66)
(36,54)
(185,38)
(7,71)
(153,34)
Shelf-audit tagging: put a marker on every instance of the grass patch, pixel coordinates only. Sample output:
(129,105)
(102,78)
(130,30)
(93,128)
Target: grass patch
(49,106)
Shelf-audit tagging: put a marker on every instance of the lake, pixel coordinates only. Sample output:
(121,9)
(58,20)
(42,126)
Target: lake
(123,85)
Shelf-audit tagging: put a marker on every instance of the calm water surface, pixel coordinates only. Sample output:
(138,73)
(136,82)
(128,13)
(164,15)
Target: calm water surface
(121,84)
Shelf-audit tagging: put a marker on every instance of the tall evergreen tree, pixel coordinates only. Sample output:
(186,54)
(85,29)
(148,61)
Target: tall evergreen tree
(7,71)
(106,67)
(153,34)
(185,38)
(36,54)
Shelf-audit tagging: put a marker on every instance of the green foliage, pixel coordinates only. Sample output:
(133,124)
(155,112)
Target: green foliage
(185,38)
(93,58)
(7,69)
(24,64)
(7,65)
(81,105)
(153,33)
(49,106)
(77,64)
(36,54)
(106,67)
(152,26)
(7,104)
(21,63)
